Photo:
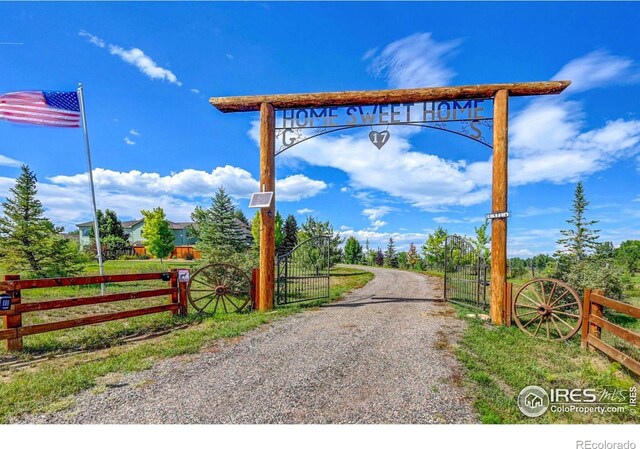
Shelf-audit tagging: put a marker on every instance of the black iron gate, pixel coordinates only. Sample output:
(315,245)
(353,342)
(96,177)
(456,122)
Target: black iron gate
(303,273)
(465,273)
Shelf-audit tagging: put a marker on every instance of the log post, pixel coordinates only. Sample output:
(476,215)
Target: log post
(255,287)
(173,283)
(182,298)
(499,204)
(266,285)
(586,311)
(596,310)
(13,321)
(508,303)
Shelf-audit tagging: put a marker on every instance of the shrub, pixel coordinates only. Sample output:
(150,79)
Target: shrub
(593,273)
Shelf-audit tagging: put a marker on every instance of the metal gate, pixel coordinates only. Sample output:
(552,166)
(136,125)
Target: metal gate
(303,273)
(465,273)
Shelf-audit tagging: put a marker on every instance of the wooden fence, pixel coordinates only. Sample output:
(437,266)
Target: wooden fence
(13,286)
(593,322)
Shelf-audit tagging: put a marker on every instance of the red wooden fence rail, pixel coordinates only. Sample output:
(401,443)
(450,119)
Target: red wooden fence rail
(593,322)
(12,285)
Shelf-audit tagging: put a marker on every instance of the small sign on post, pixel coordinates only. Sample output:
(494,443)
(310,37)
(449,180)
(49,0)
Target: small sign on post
(493,215)
(5,302)
(184,275)
(261,200)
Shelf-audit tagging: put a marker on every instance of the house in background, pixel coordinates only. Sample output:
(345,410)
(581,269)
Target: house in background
(133,229)
(181,239)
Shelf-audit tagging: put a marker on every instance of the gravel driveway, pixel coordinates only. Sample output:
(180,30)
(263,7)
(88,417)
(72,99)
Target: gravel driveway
(381,355)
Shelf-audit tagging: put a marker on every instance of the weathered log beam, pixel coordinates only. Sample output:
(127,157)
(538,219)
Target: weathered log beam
(372,97)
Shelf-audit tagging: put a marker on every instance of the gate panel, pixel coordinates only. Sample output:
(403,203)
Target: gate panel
(465,273)
(303,273)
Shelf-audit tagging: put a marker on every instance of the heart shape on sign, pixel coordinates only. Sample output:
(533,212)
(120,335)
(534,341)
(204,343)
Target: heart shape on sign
(379,138)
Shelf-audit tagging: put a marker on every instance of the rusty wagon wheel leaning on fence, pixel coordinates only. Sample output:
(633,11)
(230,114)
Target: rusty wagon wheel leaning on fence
(547,308)
(219,288)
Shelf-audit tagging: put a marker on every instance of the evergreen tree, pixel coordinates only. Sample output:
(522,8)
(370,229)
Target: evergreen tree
(412,256)
(218,229)
(379,258)
(290,234)
(29,242)
(158,238)
(390,255)
(352,251)
(402,260)
(580,240)
(112,235)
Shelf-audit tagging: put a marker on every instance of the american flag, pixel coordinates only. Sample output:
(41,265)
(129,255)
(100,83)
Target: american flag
(60,109)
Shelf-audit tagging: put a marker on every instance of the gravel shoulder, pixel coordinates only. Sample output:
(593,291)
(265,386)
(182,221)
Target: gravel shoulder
(381,355)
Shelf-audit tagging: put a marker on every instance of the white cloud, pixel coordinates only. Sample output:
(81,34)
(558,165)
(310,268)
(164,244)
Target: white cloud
(596,69)
(414,61)
(376,213)
(144,63)
(128,141)
(192,183)
(134,132)
(344,189)
(9,162)
(305,211)
(229,56)
(135,57)
(66,199)
(95,40)
(195,91)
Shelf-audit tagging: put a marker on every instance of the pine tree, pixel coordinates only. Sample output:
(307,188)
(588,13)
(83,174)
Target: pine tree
(218,229)
(379,258)
(158,238)
(30,242)
(290,234)
(390,255)
(412,256)
(581,240)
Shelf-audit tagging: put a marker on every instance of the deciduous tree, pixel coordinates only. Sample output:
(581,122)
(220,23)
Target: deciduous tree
(158,239)
(352,251)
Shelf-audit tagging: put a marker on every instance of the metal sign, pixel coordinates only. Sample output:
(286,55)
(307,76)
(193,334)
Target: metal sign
(5,302)
(184,274)
(261,200)
(468,118)
(494,215)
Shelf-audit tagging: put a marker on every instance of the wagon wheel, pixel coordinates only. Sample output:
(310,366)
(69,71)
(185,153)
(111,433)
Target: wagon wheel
(548,308)
(219,288)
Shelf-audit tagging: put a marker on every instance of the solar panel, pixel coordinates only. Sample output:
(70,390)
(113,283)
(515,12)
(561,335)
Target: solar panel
(261,199)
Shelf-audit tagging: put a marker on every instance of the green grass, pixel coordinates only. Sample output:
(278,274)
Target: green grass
(48,385)
(500,361)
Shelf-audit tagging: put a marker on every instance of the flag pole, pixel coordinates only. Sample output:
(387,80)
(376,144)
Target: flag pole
(96,228)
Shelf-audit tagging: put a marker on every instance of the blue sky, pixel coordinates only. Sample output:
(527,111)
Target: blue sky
(149,69)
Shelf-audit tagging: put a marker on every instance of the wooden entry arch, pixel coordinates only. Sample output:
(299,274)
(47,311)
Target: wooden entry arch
(500,93)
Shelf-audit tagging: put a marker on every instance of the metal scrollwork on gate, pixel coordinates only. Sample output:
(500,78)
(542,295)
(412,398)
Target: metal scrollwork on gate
(303,273)
(465,272)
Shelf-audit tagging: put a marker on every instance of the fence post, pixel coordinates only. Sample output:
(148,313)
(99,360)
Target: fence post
(596,309)
(508,299)
(586,311)
(182,295)
(255,287)
(173,283)
(13,321)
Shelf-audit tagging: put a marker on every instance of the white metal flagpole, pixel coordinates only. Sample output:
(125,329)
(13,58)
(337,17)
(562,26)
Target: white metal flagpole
(96,228)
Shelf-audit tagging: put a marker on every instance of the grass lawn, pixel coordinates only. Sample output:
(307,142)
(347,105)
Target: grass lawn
(500,361)
(47,385)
